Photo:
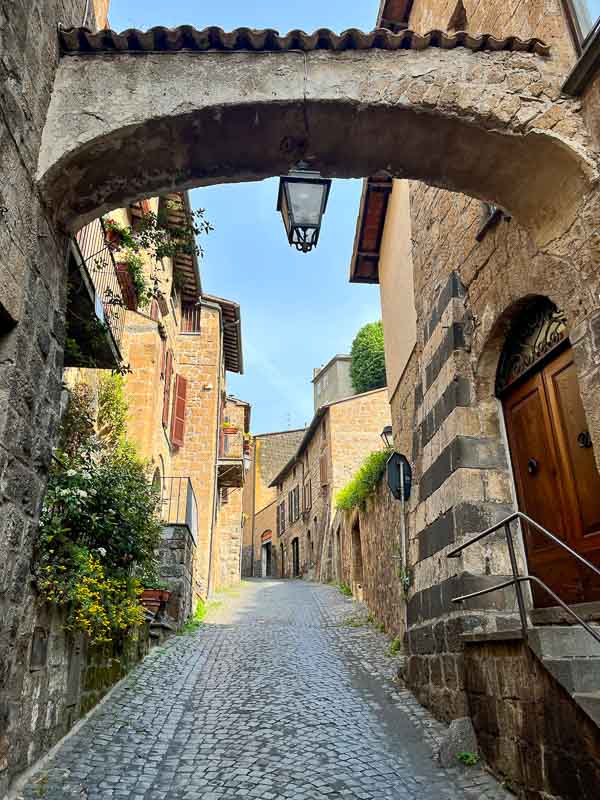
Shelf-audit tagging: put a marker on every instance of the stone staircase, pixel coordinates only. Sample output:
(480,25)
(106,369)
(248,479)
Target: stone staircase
(572,657)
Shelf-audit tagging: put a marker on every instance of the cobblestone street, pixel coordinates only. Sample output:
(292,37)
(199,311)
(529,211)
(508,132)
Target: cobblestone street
(281,694)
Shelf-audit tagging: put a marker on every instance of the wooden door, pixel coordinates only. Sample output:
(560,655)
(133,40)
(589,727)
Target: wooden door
(556,478)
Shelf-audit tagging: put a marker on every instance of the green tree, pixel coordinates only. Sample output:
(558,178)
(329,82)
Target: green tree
(367,370)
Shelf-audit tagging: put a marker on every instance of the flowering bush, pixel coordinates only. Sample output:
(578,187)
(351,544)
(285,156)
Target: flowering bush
(98,527)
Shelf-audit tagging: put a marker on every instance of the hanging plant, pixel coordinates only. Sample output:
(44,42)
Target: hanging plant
(134,285)
(118,236)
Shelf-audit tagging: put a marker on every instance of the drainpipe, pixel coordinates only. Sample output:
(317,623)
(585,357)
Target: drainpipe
(217,443)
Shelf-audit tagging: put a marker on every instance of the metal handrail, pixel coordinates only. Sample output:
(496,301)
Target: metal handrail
(518,579)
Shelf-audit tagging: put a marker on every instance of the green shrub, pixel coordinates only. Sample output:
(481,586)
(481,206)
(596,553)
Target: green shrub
(468,759)
(367,370)
(345,589)
(364,483)
(99,533)
(396,646)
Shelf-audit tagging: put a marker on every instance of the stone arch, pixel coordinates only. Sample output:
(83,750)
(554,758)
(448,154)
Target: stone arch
(124,122)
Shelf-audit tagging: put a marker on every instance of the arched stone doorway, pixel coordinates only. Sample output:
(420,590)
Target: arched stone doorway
(556,479)
(357,561)
(266,553)
(295,558)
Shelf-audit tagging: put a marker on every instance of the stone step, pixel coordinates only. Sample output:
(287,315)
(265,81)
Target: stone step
(575,674)
(556,641)
(590,702)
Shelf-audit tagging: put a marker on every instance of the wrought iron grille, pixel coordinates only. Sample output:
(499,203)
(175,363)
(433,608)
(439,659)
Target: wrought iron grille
(99,262)
(539,328)
(178,504)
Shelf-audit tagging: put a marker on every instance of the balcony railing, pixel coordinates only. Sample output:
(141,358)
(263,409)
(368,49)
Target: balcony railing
(178,504)
(99,262)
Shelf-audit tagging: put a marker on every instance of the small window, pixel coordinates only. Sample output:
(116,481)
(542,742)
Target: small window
(224,495)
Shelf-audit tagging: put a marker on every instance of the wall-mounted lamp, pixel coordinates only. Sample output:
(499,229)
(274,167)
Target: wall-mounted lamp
(387,436)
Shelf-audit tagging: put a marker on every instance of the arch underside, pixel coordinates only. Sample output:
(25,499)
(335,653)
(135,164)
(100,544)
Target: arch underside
(127,126)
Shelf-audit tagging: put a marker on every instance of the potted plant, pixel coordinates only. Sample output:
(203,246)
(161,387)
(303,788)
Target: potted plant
(130,273)
(229,428)
(156,594)
(117,236)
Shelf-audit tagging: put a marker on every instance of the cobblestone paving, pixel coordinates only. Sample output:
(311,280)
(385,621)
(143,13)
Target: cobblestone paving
(277,696)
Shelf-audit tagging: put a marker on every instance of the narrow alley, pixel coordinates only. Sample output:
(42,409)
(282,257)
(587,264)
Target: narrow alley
(285,692)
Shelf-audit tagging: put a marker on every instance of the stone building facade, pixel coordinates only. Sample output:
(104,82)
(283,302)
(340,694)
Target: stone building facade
(341,434)
(483,117)
(268,453)
(332,381)
(474,290)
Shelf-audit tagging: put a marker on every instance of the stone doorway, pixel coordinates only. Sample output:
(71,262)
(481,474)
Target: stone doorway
(266,560)
(556,478)
(357,562)
(295,558)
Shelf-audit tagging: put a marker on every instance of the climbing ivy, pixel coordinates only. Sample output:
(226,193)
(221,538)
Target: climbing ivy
(364,482)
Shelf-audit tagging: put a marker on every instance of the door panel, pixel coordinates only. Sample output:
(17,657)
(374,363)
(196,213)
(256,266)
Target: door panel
(581,473)
(572,432)
(540,489)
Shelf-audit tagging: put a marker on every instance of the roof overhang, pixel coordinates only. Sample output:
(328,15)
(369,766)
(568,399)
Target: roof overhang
(179,213)
(232,332)
(364,266)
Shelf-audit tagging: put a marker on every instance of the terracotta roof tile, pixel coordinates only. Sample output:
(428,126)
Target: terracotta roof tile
(186,37)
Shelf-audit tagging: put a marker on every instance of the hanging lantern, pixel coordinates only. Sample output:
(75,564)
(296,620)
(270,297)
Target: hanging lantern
(302,201)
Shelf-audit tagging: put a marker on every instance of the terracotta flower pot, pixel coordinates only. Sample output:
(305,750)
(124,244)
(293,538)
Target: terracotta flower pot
(230,430)
(127,289)
(114,239)
(152,599)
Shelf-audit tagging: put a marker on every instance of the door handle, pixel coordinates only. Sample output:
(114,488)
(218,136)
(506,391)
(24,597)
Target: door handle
(532,466)
(584,440)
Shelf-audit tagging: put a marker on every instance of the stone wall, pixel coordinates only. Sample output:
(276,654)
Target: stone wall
(33,283)
(379,525)
(467,290)
(531,733)
(176,568)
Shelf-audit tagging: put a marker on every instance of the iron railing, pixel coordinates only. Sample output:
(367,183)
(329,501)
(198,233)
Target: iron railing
(99,262)
(517,580)
(178,504)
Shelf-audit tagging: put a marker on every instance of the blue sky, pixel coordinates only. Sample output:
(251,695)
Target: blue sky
(297,310)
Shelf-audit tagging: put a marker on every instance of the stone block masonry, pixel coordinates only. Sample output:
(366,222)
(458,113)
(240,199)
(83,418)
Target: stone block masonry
(34,680)
(529,729)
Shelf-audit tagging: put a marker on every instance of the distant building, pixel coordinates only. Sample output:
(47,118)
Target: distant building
(332,382)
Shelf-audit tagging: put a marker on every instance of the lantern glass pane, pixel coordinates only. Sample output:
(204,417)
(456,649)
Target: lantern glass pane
(285,212)
(306,201)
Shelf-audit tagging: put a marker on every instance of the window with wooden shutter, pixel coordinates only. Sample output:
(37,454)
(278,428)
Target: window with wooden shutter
(283,516)
(168,371)
(178,413)
(323,470)
(297,502)
(290,507)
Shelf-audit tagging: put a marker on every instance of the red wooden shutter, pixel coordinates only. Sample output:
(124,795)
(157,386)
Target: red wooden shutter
(154,310)
(167,391)
(178,415)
